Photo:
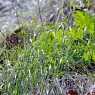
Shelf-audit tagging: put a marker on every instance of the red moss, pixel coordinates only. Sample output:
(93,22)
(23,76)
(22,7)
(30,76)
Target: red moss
(72,92)
(13,40)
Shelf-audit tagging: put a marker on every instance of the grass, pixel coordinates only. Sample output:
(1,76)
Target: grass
(48,52)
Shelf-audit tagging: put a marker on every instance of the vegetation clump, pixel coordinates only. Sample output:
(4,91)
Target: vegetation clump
(48,53)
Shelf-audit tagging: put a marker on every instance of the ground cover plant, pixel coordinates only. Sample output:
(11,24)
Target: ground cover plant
(46,55)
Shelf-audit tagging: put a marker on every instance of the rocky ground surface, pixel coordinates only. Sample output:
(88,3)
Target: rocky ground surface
(15,12)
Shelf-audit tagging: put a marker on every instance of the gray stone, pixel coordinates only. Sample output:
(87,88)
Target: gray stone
(12,14)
